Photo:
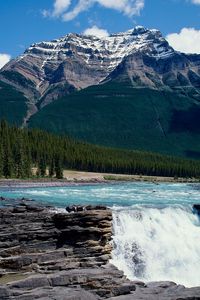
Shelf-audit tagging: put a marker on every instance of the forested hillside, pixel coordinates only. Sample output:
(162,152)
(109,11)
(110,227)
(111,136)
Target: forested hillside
(13,106)
(120,116)
(130,90)
(22,149)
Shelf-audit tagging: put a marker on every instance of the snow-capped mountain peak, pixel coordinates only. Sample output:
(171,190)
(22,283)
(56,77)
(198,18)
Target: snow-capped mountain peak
(50,69)
(112,49)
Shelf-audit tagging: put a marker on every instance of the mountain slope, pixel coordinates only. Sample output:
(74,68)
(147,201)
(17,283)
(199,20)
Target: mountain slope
(118,115)
(129,90)
(13,105)
(49,70)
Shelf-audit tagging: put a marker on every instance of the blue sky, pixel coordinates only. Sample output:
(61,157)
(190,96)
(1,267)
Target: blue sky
(23,22)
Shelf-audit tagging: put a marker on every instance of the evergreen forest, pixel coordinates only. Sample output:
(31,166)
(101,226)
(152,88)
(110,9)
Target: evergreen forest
(21,150)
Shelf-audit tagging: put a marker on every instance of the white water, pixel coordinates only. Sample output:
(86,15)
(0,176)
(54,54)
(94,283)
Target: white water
(154,244)
(156,235)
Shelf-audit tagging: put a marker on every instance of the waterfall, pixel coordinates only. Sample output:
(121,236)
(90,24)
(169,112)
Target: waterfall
(156,244)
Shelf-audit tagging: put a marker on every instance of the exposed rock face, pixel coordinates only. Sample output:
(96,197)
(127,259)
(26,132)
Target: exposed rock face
(48,250)
(34,238)
(174,72)
(47,254)
(49,70)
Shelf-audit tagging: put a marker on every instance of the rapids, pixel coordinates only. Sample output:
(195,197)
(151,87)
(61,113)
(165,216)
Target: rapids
(156,234)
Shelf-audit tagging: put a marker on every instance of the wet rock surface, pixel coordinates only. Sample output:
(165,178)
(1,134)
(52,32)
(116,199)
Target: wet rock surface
(49,254)
(196,208)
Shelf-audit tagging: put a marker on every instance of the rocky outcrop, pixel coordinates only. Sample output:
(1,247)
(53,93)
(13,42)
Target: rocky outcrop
(36,238)
(64,255)
(54,253)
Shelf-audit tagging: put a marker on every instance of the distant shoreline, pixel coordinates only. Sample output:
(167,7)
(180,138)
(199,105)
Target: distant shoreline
(82,178)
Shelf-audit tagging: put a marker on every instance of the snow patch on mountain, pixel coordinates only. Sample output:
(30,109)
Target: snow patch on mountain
(110,50)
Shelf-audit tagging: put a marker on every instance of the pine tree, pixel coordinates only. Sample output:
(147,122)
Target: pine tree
(22,148)
(27,163)
(58,168)
(20,159)
(52,168)
(42,167)
(1,160)
(8,164)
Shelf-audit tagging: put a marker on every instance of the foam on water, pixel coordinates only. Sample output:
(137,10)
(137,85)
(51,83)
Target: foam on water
(154,244)
(156,235)
(122,194)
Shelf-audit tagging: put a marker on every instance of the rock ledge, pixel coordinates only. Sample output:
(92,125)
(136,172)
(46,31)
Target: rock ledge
(46,254)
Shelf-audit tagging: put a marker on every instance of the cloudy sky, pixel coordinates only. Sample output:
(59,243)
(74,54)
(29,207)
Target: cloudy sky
(24,22)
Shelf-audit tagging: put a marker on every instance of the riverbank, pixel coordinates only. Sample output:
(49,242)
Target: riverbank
(66,255)
(76,177)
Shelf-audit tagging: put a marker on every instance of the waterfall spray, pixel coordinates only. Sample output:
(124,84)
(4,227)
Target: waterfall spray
(153,244)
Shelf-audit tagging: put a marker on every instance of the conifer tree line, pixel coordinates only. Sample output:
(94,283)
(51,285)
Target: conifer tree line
(23,149)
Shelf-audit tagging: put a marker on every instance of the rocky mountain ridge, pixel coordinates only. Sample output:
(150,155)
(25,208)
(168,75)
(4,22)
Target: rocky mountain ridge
(108,91)
(49,70)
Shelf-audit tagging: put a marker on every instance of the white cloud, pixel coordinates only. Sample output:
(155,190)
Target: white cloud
(128,7)
(81,6)
(196,1)
(4,59)
(187,41)
(95,31)
(62,7)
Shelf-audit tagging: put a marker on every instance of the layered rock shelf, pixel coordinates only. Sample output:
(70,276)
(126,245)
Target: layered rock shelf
(64,255)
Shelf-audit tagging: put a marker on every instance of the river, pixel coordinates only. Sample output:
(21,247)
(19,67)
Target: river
(156,234)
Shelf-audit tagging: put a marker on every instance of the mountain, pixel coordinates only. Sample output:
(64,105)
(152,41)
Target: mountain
(129,90)
(13,104)
(48,70)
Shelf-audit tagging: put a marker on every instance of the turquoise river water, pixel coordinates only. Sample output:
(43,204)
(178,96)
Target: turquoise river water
(156,234)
